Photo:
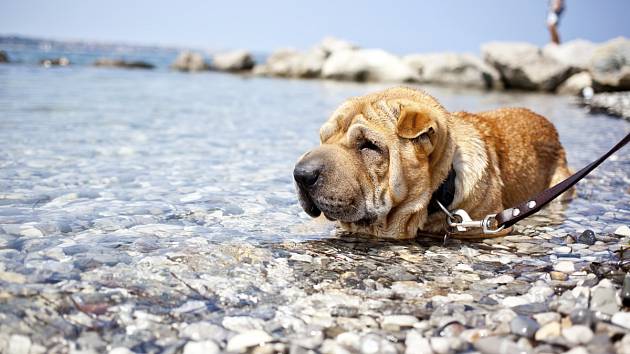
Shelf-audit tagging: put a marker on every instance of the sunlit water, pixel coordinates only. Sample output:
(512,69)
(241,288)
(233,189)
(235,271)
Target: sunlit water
(116,179)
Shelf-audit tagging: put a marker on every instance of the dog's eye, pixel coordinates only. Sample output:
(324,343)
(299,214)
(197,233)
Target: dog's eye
(368,145)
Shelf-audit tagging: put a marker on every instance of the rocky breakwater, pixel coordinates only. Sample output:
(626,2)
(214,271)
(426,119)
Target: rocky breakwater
(576,67)
(119,63)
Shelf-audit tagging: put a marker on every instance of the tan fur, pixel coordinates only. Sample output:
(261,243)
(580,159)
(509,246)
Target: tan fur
(501,158)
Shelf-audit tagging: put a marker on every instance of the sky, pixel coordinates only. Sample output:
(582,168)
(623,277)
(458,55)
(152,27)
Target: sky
(399,26)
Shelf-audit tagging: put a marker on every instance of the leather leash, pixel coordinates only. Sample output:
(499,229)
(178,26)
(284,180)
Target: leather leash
(459,221)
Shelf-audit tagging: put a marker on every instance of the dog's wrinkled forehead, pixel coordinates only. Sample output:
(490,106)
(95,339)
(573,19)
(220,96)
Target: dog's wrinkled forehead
(380,112)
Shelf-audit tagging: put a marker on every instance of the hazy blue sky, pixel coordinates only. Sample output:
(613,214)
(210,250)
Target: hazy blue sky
(398,26)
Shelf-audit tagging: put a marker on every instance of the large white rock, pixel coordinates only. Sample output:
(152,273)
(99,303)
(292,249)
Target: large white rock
(576,53)
(291,63)
(237,60)
(189,61)
(523,66)
(454,69)
(610,64)
(367,65)
(576,83)
(330,45)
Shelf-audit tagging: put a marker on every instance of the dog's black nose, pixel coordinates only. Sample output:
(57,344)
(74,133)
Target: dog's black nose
(307,171)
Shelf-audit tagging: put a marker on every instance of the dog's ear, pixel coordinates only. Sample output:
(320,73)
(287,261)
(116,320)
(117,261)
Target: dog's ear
(416,123)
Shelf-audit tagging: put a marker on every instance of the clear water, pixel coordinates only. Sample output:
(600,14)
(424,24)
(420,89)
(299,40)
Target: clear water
(144,191)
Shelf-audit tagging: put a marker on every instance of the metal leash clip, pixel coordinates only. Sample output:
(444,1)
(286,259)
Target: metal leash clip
(459,221)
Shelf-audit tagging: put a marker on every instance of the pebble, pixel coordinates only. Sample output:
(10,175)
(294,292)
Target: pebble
(564,267)
(623,231)
(625,290)
(546,317)
(205,347)
(242,323)
(498,345)
(558,276)
(587,237)
(621,319)
(442,345)
(582,316)
(549,330)
(604,299)
(502,279)
(577,334)
(417,344)
(524,326)
(120,350)
(397,322)
(242,341)
(19,344)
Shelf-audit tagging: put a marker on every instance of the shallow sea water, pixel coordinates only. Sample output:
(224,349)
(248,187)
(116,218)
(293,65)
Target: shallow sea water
(148,209)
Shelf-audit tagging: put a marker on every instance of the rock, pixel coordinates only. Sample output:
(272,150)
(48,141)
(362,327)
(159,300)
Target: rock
(577,334)
(610,64)
(61,61)
(205,347)
(546,317)
(463,70)
(576,84)
(417,344)
(621,319)
(587,237)
(498,345)
(240,342)
(367,65)
(189,61)
(238,60)
(524,326)
(548,331)
(349,340)
(523,66)
(625,291)
(577,350)
(558,276)
(374,344)
(201,331)
(118,63)
(623,231)
(623,346)
(4,57)
(564,267)
(19,344)
(242,323)
(290,63)
(581,316)
(397,322)
(120,350)
(603,299)
(11,277)
(329,45)
(576,53)
(502,279)
(613,103)
(442,345)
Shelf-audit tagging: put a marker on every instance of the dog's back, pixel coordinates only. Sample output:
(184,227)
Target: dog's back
(531,158)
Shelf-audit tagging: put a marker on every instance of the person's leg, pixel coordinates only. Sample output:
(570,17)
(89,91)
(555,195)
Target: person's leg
(552,24)
(555,37)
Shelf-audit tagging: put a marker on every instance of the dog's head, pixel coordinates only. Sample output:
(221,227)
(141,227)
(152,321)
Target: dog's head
(378,163)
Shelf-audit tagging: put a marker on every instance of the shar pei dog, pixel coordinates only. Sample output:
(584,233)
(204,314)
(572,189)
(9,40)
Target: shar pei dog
(387,158)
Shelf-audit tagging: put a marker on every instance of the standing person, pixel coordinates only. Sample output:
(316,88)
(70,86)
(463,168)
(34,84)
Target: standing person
(553,18)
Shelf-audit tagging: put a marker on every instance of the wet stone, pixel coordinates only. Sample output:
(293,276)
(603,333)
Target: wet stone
(577,334)
(587,237)
(582,316)
(524,326)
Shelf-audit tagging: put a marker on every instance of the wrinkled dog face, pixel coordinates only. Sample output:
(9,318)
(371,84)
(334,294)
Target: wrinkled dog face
(372,171)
